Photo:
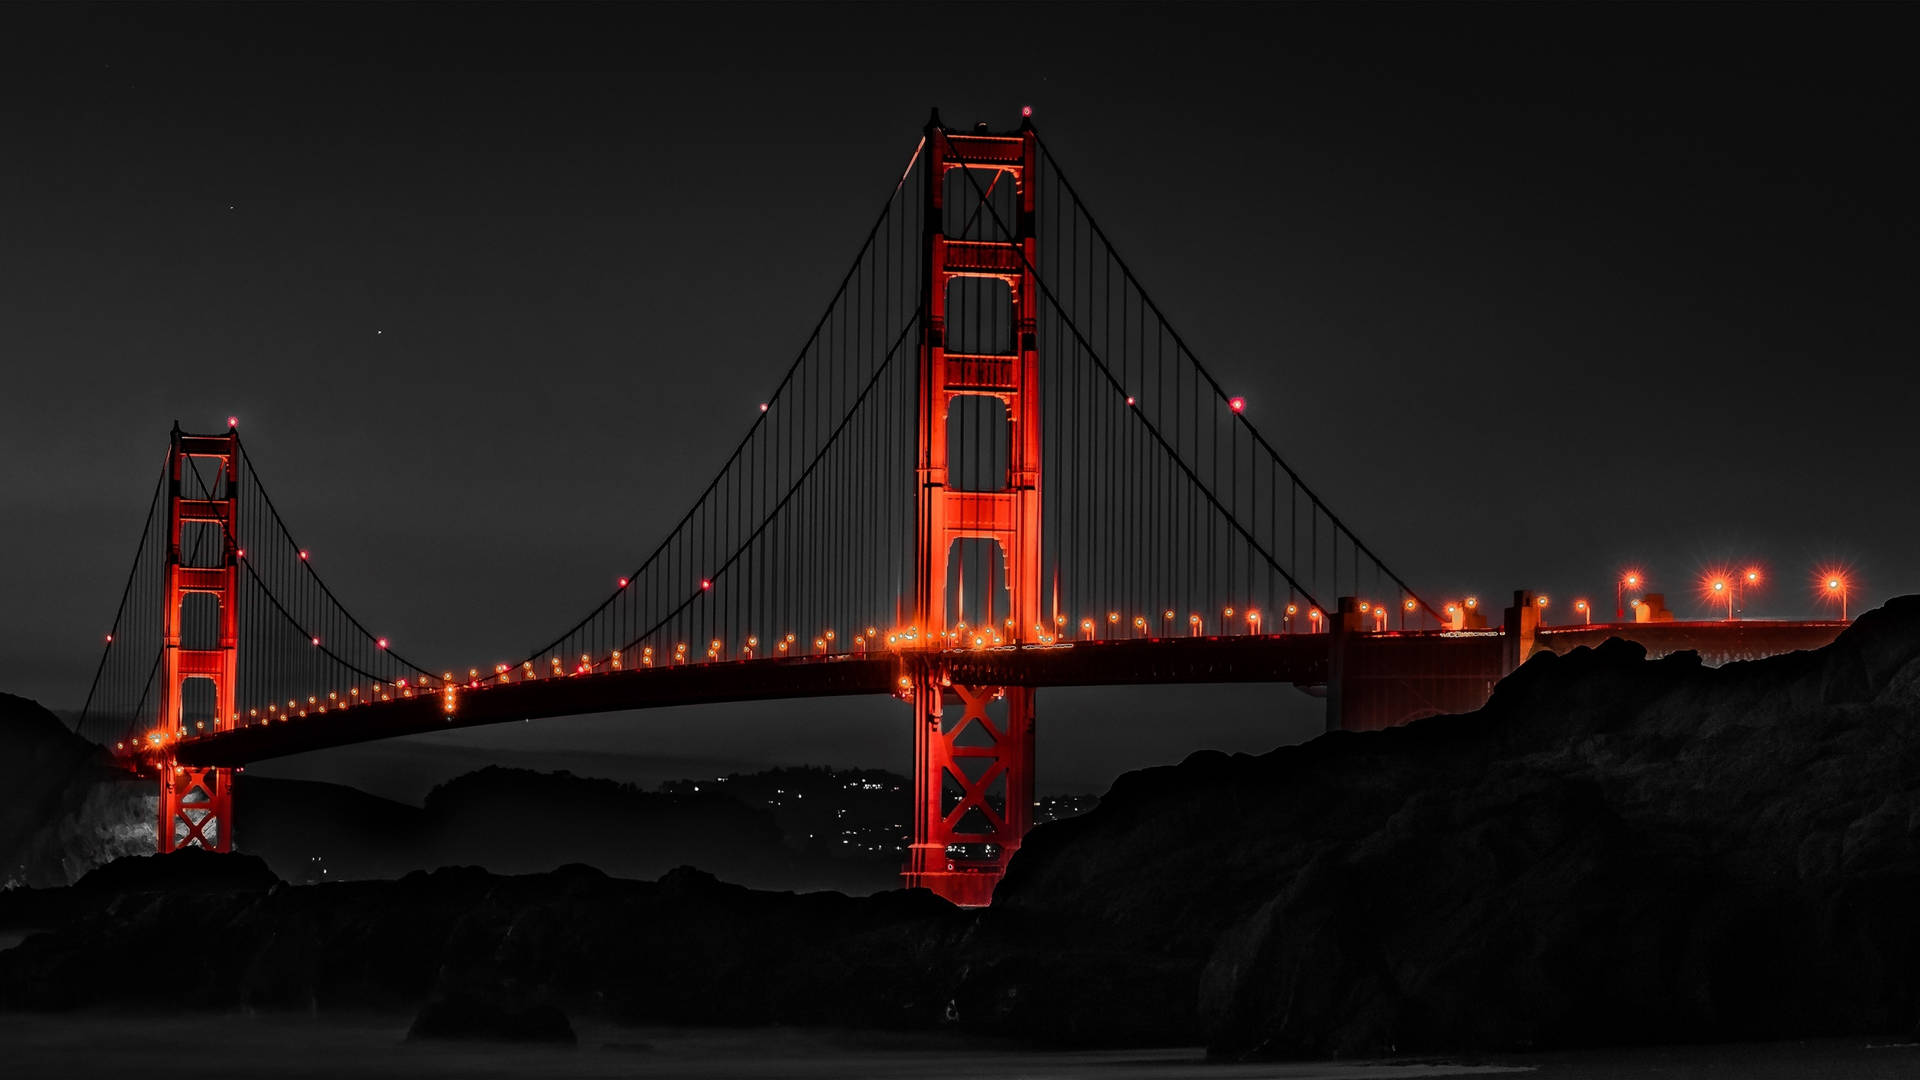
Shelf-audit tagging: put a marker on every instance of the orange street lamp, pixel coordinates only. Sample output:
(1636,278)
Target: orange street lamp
(1719,587)
(1541,603)
(1628,580)
(1193,621)
(1313,619)
(1405,610)
(1837,586)
(1287,623)
(1585,611)
(1253,620)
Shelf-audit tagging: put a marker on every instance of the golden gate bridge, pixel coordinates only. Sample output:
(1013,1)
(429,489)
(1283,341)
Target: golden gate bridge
(993,466)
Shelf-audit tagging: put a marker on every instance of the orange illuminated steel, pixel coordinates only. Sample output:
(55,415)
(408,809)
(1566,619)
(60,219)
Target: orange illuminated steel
(960,850)
(196,804)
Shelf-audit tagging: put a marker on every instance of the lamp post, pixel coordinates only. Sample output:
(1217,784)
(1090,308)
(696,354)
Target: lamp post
(1628,580)
(1837,585)
(1720,588)
(1585,611)
(1541,603)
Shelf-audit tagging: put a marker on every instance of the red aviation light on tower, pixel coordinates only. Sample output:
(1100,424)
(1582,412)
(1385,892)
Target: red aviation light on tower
(233,422)
(1237,404)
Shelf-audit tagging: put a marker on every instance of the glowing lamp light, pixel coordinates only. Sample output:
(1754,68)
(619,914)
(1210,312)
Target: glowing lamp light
(623,583)
(1026,111)
(303,553)
(1237,404)
(1129,399)
(382,643)
(706,583)
(109,639)
(233,421)
(1835,587)
(763,406)
(316,641)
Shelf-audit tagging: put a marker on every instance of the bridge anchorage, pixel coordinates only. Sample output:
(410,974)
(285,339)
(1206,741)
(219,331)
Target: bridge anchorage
(881,529)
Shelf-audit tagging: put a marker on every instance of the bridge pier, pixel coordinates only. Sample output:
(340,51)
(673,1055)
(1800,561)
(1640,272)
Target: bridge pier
(1383,680)
(973,786)
(196,808)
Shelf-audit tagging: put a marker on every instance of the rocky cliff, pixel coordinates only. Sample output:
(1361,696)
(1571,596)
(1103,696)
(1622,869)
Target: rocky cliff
(1611,850)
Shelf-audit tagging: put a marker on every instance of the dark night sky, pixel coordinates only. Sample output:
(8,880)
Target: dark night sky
(1528,293)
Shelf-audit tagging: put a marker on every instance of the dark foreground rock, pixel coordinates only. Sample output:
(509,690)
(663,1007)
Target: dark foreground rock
(1613,850)
(475,1017)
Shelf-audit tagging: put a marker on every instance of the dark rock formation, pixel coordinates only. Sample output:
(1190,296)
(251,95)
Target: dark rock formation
(1611,850)
(470,1016)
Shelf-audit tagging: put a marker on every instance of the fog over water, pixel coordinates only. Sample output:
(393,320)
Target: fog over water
(233,1045)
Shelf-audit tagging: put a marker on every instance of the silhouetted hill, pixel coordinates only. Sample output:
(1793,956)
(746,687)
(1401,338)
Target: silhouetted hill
(62,813)
(518,821)
(1613,850)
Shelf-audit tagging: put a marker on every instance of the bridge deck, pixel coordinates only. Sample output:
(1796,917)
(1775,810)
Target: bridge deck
(1300,659)
(1434,659)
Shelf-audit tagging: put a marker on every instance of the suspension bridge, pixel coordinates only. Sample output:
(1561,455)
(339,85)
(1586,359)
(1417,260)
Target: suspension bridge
(881,528)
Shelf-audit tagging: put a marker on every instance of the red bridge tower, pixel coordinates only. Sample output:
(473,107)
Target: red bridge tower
(973,769)
(196,804)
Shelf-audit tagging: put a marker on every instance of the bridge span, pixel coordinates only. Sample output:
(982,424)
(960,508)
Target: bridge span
(879,529)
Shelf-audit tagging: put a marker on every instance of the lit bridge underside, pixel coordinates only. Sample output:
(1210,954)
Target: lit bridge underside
(1300,659)
(1460,670)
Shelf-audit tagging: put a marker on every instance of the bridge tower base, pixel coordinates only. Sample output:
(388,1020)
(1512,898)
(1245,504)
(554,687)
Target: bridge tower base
(973,777)
(973,787)
(196,804)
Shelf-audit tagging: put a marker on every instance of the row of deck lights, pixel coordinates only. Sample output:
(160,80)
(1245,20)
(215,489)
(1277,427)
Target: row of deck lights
(1832,584)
